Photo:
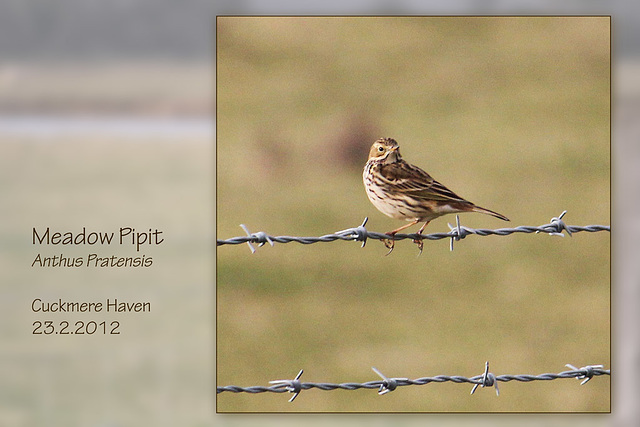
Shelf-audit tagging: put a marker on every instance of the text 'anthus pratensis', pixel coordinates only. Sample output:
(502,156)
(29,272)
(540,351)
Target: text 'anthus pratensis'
(403,191)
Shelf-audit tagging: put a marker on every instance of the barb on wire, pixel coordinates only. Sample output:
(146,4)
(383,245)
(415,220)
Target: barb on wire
(292,386)
(488,380)
(588,372)
(555,227)
(386,385)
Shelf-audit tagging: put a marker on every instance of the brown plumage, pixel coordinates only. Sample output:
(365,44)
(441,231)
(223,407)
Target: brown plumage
(403,191)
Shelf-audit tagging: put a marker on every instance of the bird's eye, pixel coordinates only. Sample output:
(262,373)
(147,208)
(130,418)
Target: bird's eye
(381,149)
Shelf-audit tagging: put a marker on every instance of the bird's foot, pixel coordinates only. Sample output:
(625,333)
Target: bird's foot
(389,243)
(420,244)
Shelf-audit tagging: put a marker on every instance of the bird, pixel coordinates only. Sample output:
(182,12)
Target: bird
(401,190)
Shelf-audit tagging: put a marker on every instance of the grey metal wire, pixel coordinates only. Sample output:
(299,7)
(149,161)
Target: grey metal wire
(457,232)
(487,379)
(556,227)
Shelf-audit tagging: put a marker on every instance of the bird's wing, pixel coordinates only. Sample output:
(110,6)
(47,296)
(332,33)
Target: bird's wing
(417,183)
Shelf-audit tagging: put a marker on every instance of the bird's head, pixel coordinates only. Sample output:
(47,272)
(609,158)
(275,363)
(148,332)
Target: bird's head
(385,150)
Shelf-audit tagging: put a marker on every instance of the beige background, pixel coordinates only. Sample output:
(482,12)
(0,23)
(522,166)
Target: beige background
(163,376)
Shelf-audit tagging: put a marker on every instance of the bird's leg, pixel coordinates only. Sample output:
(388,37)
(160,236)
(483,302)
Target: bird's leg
(389,243)
(423,227)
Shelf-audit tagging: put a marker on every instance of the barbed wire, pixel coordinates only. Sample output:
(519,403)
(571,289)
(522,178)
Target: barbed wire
(487,379)
(457,232)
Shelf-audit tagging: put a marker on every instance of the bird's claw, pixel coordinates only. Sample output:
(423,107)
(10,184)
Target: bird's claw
(420,244)
(389,243)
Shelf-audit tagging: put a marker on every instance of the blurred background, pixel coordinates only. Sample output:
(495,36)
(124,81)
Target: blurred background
(510,112)
(105,118)
(106,122)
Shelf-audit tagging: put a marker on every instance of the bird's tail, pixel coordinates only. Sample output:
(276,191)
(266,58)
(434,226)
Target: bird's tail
(488,212)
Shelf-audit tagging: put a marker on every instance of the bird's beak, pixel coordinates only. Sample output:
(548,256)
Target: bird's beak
(394,149)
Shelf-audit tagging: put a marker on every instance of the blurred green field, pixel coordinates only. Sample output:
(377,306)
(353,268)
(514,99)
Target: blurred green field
(510,113)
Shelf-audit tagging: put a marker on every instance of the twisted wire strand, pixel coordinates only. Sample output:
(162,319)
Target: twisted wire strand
(556,227)
(386,385)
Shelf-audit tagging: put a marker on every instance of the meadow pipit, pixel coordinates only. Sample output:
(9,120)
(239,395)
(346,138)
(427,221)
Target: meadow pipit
(404,191)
